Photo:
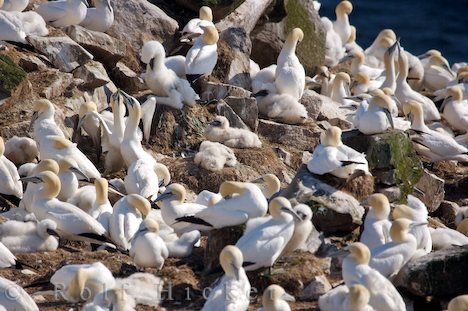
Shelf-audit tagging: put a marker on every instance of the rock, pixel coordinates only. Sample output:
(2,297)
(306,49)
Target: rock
(215,91)
(220,8)
(393,194)
(224,109)
(127,79)
(385,177)
(300,137)
(131,24)
(11,75)
(316,288)
(93,74)
(31,63)
(269,37)
(233,66)
(433,188)
(57,85)
(104,48)
(217,240)
(246,108)
(333,210)
(321,107)
(440,274)
(100,96)
(64,53)
(447,212)
(391,150)
(306,156)
(284,155)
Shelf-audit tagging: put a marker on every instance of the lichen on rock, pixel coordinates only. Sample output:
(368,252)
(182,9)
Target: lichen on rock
(11,75)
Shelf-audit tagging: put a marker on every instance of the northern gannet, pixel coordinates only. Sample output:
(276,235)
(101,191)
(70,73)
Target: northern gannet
(68,175)
(351,46)
(376,225)
(458,303)
(14,5)
(148,249)
(437,73)
(342,298)
(10,183)
(144,178)
(275,298)
(341,25)
(22,300)
(43,122)
(16,26)
(183,246)
(101,208)
(282,107)
(193,29)
(302,229)
(213,156)
(63,13)
(358,65)
(21,150)
(29,237)
(375,53)
(219,131)
(100,18)
(340,89)
(455,109)
(376,117)
(443,238)
(202,57)
(334,50)
(234,285)
(264,79)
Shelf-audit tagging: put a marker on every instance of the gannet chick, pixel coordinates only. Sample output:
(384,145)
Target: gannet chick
(389,258)
(82,281)
(56,148)
(455,109)
(194,29)
(71,221)
(101,209)
(443,238)
(232,291)
(10,183)
(375,53)
(405,93)
(14,5)
(334,50)
(341,25)
(302,229)
(376,117)
(356,298)
(30,237)
(333,157)
(283,108)
(183,246)
(100,18)
(437,73)
(264,79)
(432,144)
(458,303)
(43,121)
(220,131)
(22,300)
(173,206)
(376,225)
(246,201)
(416,211)
(290,74)
(68,175)
(213,156)
(202,57)
(275,299)
(148,250)
(356,270)
(63,13)
(16,26)
(128,214)
(167,86)
(21,150)
(263,244)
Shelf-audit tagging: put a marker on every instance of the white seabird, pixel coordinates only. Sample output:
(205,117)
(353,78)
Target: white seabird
(202,57)
(100,18)
(275,298)
(10,184)
(22,300)
(14,5)
(63,13)
(148,249)
(376,225)
(194,29)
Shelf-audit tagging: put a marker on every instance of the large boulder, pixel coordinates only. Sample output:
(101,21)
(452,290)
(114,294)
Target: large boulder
(246,109)
(215,91)
(433,188)
(93,74)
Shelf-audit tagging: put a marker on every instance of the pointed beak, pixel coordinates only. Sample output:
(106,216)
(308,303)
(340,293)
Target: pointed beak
(32,179)
(393,47)
(291,212)
(288,297)
(33,119)
(162,197)
(389,117)
(79,172)
(215,123)
(128,98)
(258,180)
(53,233)
(444,103)
(236,271)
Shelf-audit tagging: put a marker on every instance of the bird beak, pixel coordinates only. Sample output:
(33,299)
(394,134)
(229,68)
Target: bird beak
(53,233)
(215,123)
(389,117)
(164,196)
(393,47)
(418,224)
(291,212)
(85,3)
(288,297)
(33,179)
(33,119)
(77,171)
(161,183)
(127,97)
(347,57)
(260,93)
(236,271)
(258,180)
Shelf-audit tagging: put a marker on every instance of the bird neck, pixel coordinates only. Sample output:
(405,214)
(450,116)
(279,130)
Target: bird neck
(132,122)
(50,190)
(289,48)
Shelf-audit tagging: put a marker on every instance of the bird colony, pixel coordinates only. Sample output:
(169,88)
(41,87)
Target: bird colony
(60,192)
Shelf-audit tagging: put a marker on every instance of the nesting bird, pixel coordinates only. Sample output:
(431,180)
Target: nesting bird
(148,249)
(275,298)
(202,57)
(213,156)
(63,13)
(220,131)
(194,27)
(376,225)
(100,18)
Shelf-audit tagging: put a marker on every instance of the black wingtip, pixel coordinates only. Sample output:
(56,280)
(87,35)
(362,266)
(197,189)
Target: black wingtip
(247,263)
(193,220)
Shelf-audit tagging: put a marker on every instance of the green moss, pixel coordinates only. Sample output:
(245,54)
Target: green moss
(11,75)
(312,49)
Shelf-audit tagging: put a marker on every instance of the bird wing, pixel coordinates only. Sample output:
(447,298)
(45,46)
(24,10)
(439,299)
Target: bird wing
(53,10)
(386,259)
(324,160)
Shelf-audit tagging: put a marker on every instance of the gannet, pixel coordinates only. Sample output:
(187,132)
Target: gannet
(358,65)
(351,46)
(22,301)
(356,270)
(80,282)
(28,237)
(127,216)
(302,229)
(455,109)
(283,108)
(247,201)
(341,25)
(16,26)
(362,84)
(168,87)
(405,93)
(275,298)
(90,123)
(376,225)
(389,65)
(183,246)
(68,175)
(342,298)
(333,157)
(143,178)
(100,18)
(71,221)
(43,122)
(194,29)
(340,89)
(429,143)
(21,150)
(264,79)
(325,79)
(395,105)
(458,303)
(7,259)
(14,5)
(10,184)
(290,74)
(213,156)
(177,64)
(446,238)
(148,250)
(219,130)
(202,57)
(416,211)
(101,208)
(376,117)
(390,257)
(375,53)
(334,50)
(232,292)
(262,245)
(63,13)
(112,299)
(26,169)
(173,205)
(437,73)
